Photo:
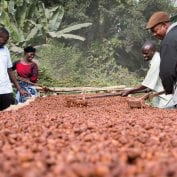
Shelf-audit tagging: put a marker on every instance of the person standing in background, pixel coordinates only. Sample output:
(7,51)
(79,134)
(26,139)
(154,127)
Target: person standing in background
(6,73)
(27,73)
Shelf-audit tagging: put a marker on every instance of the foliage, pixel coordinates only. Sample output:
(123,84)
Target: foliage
(59,61)
(102,65)
(96,68)
(29,22)
(46,79)
(150,6)
(113,41)
(131,30)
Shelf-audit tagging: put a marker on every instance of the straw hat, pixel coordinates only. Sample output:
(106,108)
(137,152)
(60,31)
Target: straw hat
(156,18)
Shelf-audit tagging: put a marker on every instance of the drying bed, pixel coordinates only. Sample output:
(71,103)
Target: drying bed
(104,138)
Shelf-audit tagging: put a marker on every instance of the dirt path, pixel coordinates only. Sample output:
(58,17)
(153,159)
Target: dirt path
(105,139)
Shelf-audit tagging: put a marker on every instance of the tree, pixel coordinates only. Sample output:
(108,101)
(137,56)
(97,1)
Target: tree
(29,22)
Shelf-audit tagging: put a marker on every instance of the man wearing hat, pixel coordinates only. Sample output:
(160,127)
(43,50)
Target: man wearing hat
(160,26)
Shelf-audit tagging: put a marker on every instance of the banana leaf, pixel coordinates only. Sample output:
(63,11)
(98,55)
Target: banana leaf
(56,16)
(66,36)
(74,28)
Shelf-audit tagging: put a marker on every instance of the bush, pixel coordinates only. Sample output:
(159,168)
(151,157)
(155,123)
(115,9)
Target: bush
(102,67)
(96,67)
(61,63)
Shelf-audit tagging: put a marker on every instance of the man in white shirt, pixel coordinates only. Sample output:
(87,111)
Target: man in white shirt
(6,73)
(152,79)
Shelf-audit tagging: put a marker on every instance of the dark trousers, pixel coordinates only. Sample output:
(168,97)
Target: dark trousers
(6,100)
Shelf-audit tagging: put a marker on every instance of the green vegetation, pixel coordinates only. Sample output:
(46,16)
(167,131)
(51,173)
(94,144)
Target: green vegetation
(30,22)
(96,68)
(83,43)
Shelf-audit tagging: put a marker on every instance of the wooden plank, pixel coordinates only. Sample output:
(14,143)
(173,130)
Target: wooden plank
(85,89)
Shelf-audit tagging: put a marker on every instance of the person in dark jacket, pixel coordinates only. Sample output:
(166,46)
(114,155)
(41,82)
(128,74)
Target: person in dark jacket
(161,27)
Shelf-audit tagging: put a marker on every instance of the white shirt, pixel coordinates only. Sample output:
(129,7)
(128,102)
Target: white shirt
(5,63)
(153,81)
(171,26)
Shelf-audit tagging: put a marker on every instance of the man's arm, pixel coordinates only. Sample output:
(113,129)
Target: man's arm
(133,90)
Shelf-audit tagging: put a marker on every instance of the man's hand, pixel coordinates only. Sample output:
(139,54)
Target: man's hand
(125,93)
(24,92)
(46,89)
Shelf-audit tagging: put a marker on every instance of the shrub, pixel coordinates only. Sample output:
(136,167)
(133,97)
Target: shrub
(61,65)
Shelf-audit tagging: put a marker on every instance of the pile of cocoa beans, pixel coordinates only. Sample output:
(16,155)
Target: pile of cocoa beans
(105,138)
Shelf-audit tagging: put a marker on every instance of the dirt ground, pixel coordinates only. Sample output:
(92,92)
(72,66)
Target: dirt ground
(103,139)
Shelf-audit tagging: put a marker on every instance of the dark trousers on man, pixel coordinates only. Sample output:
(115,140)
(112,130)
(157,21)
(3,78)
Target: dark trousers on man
(6,100)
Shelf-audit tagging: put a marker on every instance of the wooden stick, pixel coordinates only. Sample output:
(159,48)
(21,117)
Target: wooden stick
(156,94)
(103,95)
(35,84)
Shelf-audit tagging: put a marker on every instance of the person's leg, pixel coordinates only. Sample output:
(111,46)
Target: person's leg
(32,90)
(6,100)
